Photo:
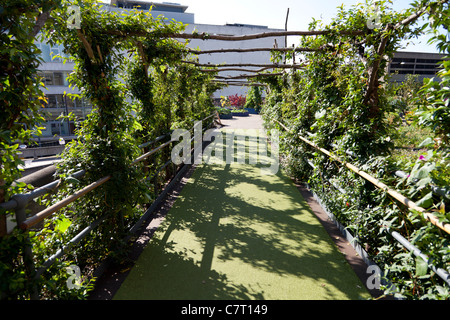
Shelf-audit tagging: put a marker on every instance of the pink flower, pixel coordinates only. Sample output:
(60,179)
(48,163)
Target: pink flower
(422,158)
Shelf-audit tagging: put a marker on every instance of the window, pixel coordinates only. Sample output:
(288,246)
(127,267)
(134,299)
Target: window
(54,54)
(48,78)
(55,101)
(59,101)
(425,72)
(56,128)
(402,66)
(403,60)
(58,79)
(54,78)
(51,101)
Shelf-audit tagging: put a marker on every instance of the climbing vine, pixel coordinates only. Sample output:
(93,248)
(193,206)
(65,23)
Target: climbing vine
(341,102)
(139,89)
(135,76)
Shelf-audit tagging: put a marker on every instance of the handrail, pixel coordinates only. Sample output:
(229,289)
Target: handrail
(148,154)
(146,144)
(19,201)
(15,202)
(61,204)
(443,274)
(398,196)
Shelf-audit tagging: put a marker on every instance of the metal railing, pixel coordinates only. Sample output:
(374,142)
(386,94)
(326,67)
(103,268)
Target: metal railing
(443,274)
(19,202)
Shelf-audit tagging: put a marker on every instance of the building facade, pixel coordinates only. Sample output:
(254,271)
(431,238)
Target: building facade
(257,57)
(55,70)
(424,65)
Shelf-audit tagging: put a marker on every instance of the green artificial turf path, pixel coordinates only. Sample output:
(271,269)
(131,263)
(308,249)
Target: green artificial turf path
(237,232)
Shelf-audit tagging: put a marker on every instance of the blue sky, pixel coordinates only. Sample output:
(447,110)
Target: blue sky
(273,13)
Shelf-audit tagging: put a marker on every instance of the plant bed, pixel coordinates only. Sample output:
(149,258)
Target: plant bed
(240,113)
(226,116)
(251,110)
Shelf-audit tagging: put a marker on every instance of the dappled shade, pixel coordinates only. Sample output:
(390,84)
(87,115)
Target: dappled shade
(236,233)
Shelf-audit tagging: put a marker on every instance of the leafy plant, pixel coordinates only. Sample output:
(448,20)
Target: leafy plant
(342,102)
(158,94)
(254,98)
(236,101)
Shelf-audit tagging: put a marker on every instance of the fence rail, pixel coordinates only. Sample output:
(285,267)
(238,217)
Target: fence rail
(443,274)
(19,202)
(398,196)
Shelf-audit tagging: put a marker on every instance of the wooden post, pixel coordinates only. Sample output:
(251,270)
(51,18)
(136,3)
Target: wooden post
(86,45)
(286,29)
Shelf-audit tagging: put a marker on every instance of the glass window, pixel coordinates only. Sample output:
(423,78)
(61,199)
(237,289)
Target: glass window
(45,49)
(66,81)
(58,79)
(425,72)
(70,103)
(56,128)
(51,101)
(60,101)
(48,78)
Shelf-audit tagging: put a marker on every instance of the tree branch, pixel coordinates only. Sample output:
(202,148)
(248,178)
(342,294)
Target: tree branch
(247,76)
(193,51)
(240,83)
(206,36)
(235,69)
(272,66)
(40,22)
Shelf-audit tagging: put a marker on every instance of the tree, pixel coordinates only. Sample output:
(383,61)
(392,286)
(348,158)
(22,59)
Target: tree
(254,99)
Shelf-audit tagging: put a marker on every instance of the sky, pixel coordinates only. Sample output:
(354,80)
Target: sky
(273,14)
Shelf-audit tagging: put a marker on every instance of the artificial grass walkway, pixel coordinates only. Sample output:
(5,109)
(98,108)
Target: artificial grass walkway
(237,233)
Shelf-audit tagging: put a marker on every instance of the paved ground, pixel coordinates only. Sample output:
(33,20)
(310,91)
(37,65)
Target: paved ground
(236,232)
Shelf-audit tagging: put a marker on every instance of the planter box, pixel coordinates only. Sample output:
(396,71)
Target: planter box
(226,116)
(251,111)
(240,114)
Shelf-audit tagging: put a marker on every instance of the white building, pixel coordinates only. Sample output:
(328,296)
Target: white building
(257,57)
(55,71)
(178,12)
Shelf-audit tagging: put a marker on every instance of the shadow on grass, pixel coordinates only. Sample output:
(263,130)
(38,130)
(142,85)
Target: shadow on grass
(237,234)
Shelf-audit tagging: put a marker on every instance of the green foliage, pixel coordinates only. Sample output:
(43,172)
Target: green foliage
(254,98)
(337,103)
(223,110)
(435,113)
(20,93)
(139,89)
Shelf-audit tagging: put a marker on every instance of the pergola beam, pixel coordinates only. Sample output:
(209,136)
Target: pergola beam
(298,49)
(206,36)
(246,76)
(240,83)
(269,66)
